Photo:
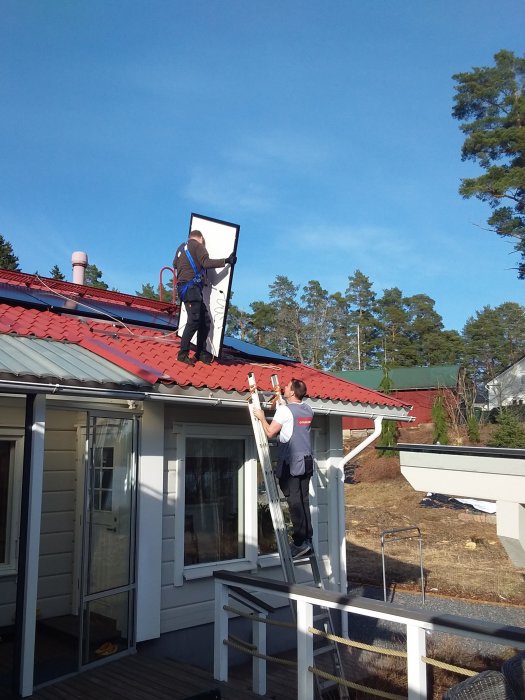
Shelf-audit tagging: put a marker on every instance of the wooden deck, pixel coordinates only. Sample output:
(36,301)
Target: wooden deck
(139,677)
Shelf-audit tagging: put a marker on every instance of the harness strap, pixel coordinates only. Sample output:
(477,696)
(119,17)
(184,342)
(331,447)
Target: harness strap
(198,277)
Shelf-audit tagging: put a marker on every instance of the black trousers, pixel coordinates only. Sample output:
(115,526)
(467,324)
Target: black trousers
(296,491)
(199,321)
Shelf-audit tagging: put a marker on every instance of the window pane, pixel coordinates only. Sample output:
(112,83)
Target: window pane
(5,461)
(214,520)
(265,532)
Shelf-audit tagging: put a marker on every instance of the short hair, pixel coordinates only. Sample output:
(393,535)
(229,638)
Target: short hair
(195,234)
(299,388)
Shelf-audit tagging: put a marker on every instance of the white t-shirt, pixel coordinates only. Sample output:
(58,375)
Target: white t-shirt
(284,417)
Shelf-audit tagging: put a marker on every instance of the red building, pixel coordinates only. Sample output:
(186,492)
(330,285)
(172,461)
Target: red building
(417,386)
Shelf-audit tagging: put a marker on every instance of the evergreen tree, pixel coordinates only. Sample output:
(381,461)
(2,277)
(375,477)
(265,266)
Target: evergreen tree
(93,278)
(56,273)
(363,327)
(263,322)
(440,421)
(389,429)
(509,432)
(393,314)
(8,260)
(490,103)
(315,328)
(340,351)
(288,326)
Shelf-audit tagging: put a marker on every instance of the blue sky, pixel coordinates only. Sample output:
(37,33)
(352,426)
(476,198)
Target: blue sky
(323,128)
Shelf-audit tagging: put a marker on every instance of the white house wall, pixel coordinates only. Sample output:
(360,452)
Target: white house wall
(508,387)
(12,416)
(57,535)
(187,603)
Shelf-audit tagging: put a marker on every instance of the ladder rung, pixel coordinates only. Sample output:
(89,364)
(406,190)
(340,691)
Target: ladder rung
(324,650)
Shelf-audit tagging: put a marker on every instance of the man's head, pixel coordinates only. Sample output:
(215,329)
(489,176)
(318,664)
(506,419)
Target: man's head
(297,388)
(198,236)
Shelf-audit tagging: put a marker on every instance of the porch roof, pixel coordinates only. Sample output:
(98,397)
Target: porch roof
(33,359)
(149,353)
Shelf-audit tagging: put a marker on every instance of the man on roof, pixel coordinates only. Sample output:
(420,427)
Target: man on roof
(191,262)
(292,422)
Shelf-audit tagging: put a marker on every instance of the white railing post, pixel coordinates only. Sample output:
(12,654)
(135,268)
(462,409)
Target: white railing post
(259,665)
(305,650)
(416,668)
(220,655)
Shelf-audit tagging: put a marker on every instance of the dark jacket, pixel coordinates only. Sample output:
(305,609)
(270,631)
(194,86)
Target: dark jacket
(200,258)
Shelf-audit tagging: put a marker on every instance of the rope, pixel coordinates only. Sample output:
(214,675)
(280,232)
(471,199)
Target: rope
(448,667)
(358,645)
(356,686)
(258,618)
(276,659)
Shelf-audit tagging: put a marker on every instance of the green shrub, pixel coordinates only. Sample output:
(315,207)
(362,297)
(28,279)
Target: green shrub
(440,421)
(473,429)
(509,432)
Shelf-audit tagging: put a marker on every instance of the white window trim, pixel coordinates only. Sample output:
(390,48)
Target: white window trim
(14,492)
(182,573)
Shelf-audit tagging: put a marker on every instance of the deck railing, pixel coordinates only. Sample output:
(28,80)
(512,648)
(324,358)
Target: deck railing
(416,622)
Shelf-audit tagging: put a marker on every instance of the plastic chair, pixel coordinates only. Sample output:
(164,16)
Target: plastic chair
(488,685)
(514,671)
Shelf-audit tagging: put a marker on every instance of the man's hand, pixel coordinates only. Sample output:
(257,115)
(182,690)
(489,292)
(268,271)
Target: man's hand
(231,259)
(258,413)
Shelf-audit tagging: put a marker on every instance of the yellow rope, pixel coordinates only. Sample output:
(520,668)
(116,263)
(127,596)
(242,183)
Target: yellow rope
(358,645)
(448,667)
(276,659)
(356,686)
(258,618)
(346,642)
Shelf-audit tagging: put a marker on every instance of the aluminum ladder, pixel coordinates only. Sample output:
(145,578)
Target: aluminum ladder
(326,652)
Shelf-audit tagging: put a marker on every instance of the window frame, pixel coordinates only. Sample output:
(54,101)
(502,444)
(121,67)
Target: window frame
(189,572)
(14,490)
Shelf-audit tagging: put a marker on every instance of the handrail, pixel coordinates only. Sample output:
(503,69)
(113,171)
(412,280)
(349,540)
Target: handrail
(416,623)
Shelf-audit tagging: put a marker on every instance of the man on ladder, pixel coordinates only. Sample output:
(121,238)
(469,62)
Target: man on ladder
(292,422)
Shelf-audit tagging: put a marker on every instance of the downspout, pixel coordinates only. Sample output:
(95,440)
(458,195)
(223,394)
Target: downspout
(378,424)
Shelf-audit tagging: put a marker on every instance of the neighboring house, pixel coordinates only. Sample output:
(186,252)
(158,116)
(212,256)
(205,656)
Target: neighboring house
(416,386)
(508,388)
(128,478)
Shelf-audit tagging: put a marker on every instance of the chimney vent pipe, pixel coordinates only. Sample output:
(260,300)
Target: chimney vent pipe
(79,261)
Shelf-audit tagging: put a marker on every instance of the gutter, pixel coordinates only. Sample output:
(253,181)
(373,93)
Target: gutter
(68,390)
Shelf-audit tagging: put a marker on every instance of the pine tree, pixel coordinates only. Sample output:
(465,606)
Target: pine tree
(8,260)
(389,430)
(509,432)
(440,421)
(56,274)
(93,278)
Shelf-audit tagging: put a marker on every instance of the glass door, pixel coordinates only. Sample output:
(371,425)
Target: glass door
(108,562)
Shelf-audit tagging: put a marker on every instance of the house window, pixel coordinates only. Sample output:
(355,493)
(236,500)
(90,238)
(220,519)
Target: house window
(214,493)
(9,504)
(103,478)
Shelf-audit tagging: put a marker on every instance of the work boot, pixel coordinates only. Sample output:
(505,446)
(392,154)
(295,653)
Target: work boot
(204,356)
(185,357)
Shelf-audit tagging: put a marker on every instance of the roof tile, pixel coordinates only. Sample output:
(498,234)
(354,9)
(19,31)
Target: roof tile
(152,355)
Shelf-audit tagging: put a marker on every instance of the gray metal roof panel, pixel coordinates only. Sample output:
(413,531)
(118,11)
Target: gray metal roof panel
(66,362)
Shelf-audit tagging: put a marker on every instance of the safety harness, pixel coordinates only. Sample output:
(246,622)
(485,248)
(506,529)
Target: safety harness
(198,277)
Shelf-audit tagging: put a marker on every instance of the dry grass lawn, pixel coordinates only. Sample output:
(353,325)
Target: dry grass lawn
(462,554)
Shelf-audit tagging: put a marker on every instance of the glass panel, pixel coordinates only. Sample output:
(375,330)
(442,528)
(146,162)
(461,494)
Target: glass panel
(106,626)
(109,504)
(214,517)
(265,532)
(5,462)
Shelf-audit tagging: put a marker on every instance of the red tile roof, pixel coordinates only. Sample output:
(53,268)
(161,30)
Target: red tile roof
(152,354)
